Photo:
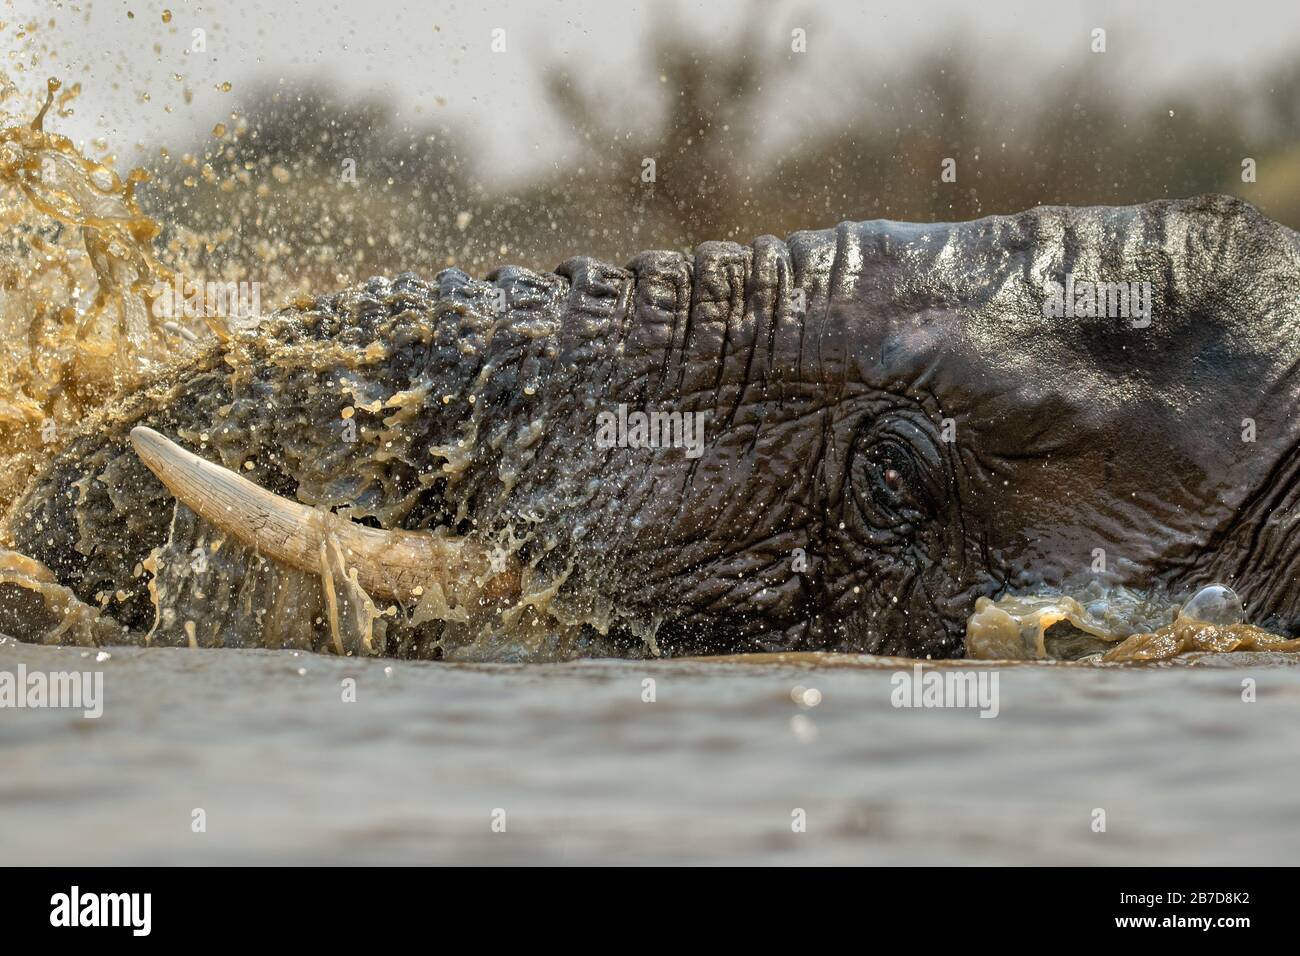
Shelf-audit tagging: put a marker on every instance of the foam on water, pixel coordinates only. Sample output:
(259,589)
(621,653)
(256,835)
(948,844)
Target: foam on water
(1114,625)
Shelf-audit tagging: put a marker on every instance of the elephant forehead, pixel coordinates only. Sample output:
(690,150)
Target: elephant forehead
(1154,294)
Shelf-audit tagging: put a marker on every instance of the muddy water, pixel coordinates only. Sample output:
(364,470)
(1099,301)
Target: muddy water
(585,771)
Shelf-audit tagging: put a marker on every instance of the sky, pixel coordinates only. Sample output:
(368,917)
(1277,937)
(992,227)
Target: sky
(436,58)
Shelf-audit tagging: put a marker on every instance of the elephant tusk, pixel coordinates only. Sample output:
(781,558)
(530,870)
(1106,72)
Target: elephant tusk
(395,565)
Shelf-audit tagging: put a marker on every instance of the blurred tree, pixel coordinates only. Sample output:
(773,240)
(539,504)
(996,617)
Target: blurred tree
(706,110)
(703,140)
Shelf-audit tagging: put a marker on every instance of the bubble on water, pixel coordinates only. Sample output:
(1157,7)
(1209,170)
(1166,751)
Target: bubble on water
(1214,604)
(806,696)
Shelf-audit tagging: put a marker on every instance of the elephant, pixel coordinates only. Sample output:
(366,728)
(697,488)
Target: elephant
(839,441)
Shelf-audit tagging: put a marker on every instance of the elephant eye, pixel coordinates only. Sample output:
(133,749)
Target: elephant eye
(891,485)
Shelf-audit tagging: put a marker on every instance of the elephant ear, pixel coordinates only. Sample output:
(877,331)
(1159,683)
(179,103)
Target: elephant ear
(389,564)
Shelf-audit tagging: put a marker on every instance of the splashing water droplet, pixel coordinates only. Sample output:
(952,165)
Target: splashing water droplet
(1214,604)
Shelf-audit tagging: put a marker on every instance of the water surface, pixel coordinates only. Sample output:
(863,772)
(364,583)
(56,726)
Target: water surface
(587,772)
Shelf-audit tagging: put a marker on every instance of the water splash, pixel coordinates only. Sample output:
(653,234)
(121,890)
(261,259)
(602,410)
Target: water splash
(1114,625)
(78,279)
